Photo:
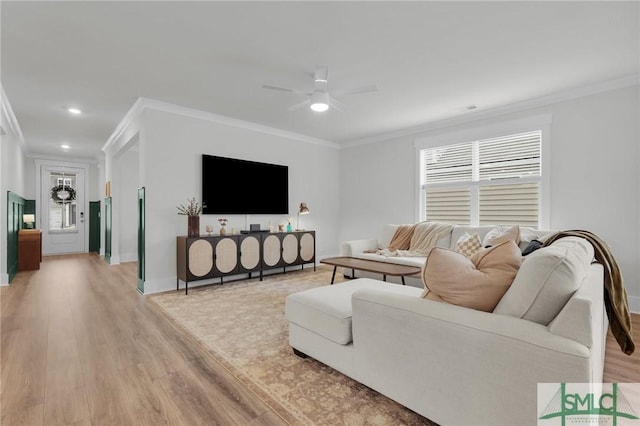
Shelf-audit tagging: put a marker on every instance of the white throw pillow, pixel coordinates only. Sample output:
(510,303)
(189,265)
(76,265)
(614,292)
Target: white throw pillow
(501,234)
(546,280)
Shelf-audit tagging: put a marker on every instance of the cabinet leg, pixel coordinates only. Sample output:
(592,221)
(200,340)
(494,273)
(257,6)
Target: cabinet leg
(186,288)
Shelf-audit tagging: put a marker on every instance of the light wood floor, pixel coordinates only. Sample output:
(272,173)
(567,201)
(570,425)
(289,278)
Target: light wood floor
(80,346)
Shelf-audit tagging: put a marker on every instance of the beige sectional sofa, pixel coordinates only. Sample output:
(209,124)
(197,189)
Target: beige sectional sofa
(361,248)
(455,365)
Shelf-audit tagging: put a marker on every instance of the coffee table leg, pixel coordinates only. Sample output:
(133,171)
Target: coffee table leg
(333,277)
(403,280)
(384,278)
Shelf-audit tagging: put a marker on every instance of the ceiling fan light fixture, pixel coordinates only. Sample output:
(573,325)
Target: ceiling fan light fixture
(320,101)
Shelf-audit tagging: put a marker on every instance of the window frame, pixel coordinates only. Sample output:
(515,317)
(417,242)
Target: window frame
(496,129)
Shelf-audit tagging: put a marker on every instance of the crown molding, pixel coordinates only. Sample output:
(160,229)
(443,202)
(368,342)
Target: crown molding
(128,119)
(10,125)
(565,95)
(142,104)
(74,160)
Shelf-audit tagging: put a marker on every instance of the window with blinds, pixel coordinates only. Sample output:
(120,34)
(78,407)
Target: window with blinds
(485,182)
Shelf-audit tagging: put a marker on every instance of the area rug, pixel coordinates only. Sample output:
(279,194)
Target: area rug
(242,325)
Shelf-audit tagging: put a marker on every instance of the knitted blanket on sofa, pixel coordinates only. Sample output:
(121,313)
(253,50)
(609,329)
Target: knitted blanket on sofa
(615,295)
(416,239)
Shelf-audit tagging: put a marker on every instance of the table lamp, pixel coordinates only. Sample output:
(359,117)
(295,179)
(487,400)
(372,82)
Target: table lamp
(303,209)
(29,220)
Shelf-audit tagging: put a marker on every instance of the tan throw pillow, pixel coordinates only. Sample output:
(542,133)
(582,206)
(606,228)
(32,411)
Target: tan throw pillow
(478,282)
(468,245)
(500,235)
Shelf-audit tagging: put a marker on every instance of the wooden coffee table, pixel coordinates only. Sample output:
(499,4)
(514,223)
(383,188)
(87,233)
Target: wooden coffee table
(383,268)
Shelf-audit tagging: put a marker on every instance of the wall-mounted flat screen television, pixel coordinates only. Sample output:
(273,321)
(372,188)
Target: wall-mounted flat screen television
(235,186)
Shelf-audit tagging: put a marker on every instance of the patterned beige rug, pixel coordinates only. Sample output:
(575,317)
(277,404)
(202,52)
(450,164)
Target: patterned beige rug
(242,324)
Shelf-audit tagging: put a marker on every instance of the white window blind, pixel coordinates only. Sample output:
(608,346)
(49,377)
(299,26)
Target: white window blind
(449,205)
(515,204)
(493,181)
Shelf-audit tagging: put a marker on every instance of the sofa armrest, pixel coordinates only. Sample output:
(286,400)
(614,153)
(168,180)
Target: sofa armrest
(582,318)
(349,248)
(410,349)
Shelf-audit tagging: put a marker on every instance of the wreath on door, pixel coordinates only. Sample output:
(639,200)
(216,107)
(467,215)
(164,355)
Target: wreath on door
(61,194)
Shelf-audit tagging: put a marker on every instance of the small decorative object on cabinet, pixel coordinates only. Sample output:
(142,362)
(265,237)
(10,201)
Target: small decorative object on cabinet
(209,229)
(223,224)
(192,210)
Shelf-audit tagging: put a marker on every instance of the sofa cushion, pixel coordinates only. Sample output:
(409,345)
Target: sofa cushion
(478,282)
(326,310)
(468,244)
(407,260)
(546,280)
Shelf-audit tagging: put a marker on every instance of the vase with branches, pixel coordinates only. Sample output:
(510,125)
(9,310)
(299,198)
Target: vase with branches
(192,210)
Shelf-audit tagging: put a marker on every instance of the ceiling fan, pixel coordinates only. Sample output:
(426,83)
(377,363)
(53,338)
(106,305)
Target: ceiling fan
(320,99)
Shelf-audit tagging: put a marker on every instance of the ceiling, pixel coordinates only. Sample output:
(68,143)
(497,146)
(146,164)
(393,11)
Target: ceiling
(430,60)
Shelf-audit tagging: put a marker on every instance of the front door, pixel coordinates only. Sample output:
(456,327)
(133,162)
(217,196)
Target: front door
(62,210)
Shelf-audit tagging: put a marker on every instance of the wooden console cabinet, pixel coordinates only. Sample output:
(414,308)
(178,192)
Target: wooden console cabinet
(29,249)
(216,256)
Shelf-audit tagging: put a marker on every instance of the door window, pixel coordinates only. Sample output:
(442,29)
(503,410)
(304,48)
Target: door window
(62,202)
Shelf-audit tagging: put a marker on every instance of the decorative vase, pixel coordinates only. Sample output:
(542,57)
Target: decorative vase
(194,226)
(223,230)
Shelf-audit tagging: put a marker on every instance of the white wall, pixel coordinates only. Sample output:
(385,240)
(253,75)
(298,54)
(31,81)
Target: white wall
(125,199)
(12,172)
(594,176)
(172,145)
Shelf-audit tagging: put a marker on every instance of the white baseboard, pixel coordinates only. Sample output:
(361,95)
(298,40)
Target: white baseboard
(128,257)
(4,279)
(114,260)
(634,304)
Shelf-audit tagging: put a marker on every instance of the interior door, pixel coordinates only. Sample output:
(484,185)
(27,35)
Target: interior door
(94,226)
(141,237)
(62,210)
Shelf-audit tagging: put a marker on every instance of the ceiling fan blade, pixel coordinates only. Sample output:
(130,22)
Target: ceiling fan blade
(299,105)
(284,89)
(357,90)
(335,104)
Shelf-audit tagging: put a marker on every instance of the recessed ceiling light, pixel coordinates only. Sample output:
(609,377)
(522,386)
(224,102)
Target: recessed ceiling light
(74,111)
(472,107)
(65,146)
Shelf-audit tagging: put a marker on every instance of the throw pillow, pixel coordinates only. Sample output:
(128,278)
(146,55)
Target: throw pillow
(478,282)
(547,280)
(532,246)
(501,234)
(468,245)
